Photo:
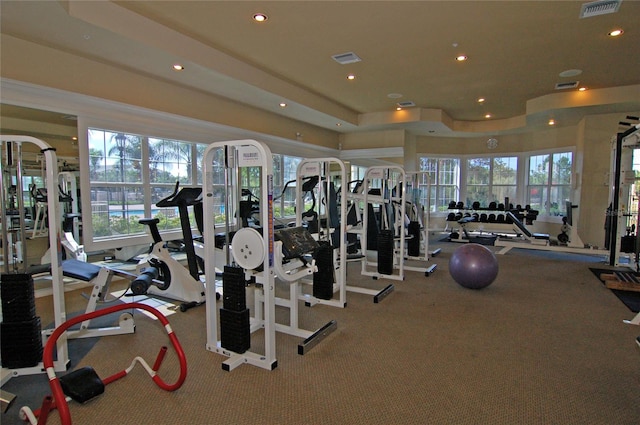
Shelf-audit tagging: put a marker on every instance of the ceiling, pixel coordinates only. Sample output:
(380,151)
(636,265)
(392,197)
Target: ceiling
(516,52)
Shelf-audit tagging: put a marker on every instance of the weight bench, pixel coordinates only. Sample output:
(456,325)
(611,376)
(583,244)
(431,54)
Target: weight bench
(531,236)
(100,279)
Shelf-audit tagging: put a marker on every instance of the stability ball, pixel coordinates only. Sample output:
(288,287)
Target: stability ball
(473,266)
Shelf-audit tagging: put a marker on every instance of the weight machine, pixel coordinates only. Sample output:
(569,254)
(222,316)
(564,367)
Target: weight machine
(257,258)
(385,189)
(14,238)
(418,215)
(622,179)
(329,228)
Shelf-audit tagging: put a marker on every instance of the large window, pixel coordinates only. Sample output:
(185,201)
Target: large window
(549,184)
(542,181)
(491,179)
(130,173)
(444,174)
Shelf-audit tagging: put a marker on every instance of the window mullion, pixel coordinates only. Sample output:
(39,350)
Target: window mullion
(146,176)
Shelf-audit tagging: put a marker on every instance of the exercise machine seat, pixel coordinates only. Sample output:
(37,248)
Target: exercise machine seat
(80,270)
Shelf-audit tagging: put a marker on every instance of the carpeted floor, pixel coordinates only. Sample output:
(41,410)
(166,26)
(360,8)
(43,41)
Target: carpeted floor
(544,344)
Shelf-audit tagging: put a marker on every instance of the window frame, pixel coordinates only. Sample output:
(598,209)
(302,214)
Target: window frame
(148,187)
(522,172)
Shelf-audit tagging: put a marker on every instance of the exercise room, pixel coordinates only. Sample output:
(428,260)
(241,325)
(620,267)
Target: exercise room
(312,212)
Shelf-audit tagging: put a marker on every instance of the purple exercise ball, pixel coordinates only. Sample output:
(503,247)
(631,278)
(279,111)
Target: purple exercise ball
(473,266)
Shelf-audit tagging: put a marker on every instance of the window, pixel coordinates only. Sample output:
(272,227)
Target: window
(284,171)
(130,173)
(444,174)
(549,184)
(491,179)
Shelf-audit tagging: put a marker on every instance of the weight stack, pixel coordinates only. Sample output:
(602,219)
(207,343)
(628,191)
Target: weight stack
(372,229)
(413,245)
(18,299)
(235,334)
(21,338)
(324,278)
(385,252)
(21,343)
(233,289)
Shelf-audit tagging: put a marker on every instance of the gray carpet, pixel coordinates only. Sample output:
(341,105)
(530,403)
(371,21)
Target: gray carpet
(544,344)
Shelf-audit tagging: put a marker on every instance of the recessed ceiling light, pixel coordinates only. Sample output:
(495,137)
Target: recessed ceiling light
(394,95)
(615,33)
(481,99)
(260,17)
(339,124)
(487,116)
(283,105)
(178,67)
(552,122)
(398,108)
(351,77)
(461,58)
(582,89)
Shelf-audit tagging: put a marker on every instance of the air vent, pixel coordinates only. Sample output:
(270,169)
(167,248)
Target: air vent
(596,8)
(569,85)
(345,58)
(406,104)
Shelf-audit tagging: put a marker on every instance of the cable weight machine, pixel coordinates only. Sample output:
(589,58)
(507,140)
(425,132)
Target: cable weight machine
(14,269)
(329,211)
(385,188)
(252,256)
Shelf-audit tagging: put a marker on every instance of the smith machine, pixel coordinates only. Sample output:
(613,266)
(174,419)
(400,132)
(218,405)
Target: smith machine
(254,256)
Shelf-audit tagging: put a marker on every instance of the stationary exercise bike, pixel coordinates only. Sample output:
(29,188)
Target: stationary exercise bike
(176,281)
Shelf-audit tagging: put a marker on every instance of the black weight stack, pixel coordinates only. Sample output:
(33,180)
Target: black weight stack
(233,289)
(234,330)
(413,245)
(372,229)
(235,333)
(324,278)
(21,339)
(385,251)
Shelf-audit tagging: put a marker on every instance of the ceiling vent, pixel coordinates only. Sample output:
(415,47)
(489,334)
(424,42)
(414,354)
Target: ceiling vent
(602,7)
(406,104)
(569,85)
(345,58)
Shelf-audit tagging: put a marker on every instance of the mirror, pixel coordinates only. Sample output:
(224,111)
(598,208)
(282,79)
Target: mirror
(57,129)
